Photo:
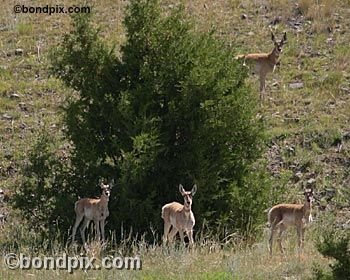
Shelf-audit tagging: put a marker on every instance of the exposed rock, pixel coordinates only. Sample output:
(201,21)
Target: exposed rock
(276,20)
(290,150)
(346,135)
(19,51)
(23,106)
(7,117)
(296,85)
(276,161)
(2,195)
(345,89)
(14,95)
(244,16)
(2,219)
(298,176)
(311,182)
(22,126)
(3,27)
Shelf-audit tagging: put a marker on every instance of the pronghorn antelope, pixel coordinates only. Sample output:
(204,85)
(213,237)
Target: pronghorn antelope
(95,209)
(264,63)
(282,216)
(180,217)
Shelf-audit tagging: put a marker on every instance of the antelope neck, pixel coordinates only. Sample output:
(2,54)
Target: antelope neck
(273,56)
(307,207)
(104,197)
(187,208)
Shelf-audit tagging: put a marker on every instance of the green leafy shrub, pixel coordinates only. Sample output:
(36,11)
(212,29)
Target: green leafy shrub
(44,193)
(334,243)
(172,109)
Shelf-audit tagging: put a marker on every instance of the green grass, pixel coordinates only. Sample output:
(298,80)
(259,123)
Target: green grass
(24,29)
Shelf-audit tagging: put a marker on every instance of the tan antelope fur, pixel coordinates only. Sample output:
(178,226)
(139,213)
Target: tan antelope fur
(179,217)
(282,216)
(264,63)
(95,209)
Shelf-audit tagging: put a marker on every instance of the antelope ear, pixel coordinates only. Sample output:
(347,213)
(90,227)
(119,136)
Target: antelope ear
(273,37)
(284,39)
(194,190)
(181,189)
(111,184)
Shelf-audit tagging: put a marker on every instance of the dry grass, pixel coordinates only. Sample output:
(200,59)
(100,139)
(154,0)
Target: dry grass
(319,12)
(209,259)
(317,9)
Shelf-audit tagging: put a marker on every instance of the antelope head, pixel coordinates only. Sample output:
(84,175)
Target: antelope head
(187,195)
(279,44)
(309,196)
(106,189)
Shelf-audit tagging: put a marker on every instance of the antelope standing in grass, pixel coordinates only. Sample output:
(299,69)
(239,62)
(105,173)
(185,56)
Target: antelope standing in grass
(179,217)
(95,209)
(282,216)
(264,63)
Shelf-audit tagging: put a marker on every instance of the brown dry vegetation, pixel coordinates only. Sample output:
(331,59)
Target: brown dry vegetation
(308,127)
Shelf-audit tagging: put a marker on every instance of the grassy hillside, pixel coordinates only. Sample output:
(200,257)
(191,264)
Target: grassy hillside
(306,112)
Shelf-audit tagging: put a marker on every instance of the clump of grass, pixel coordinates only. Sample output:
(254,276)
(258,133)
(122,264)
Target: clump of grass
(342,58)
(319,11)
(24,28)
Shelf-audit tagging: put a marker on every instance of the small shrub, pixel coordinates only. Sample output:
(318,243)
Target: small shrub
(334,243)
(43,195)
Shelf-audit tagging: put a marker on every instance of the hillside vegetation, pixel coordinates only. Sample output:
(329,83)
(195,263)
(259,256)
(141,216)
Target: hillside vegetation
(306,114)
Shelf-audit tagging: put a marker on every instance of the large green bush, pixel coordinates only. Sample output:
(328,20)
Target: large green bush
(172,109)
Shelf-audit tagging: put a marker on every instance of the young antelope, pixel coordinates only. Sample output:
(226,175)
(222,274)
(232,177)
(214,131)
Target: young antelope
(282,216)
(179,217)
